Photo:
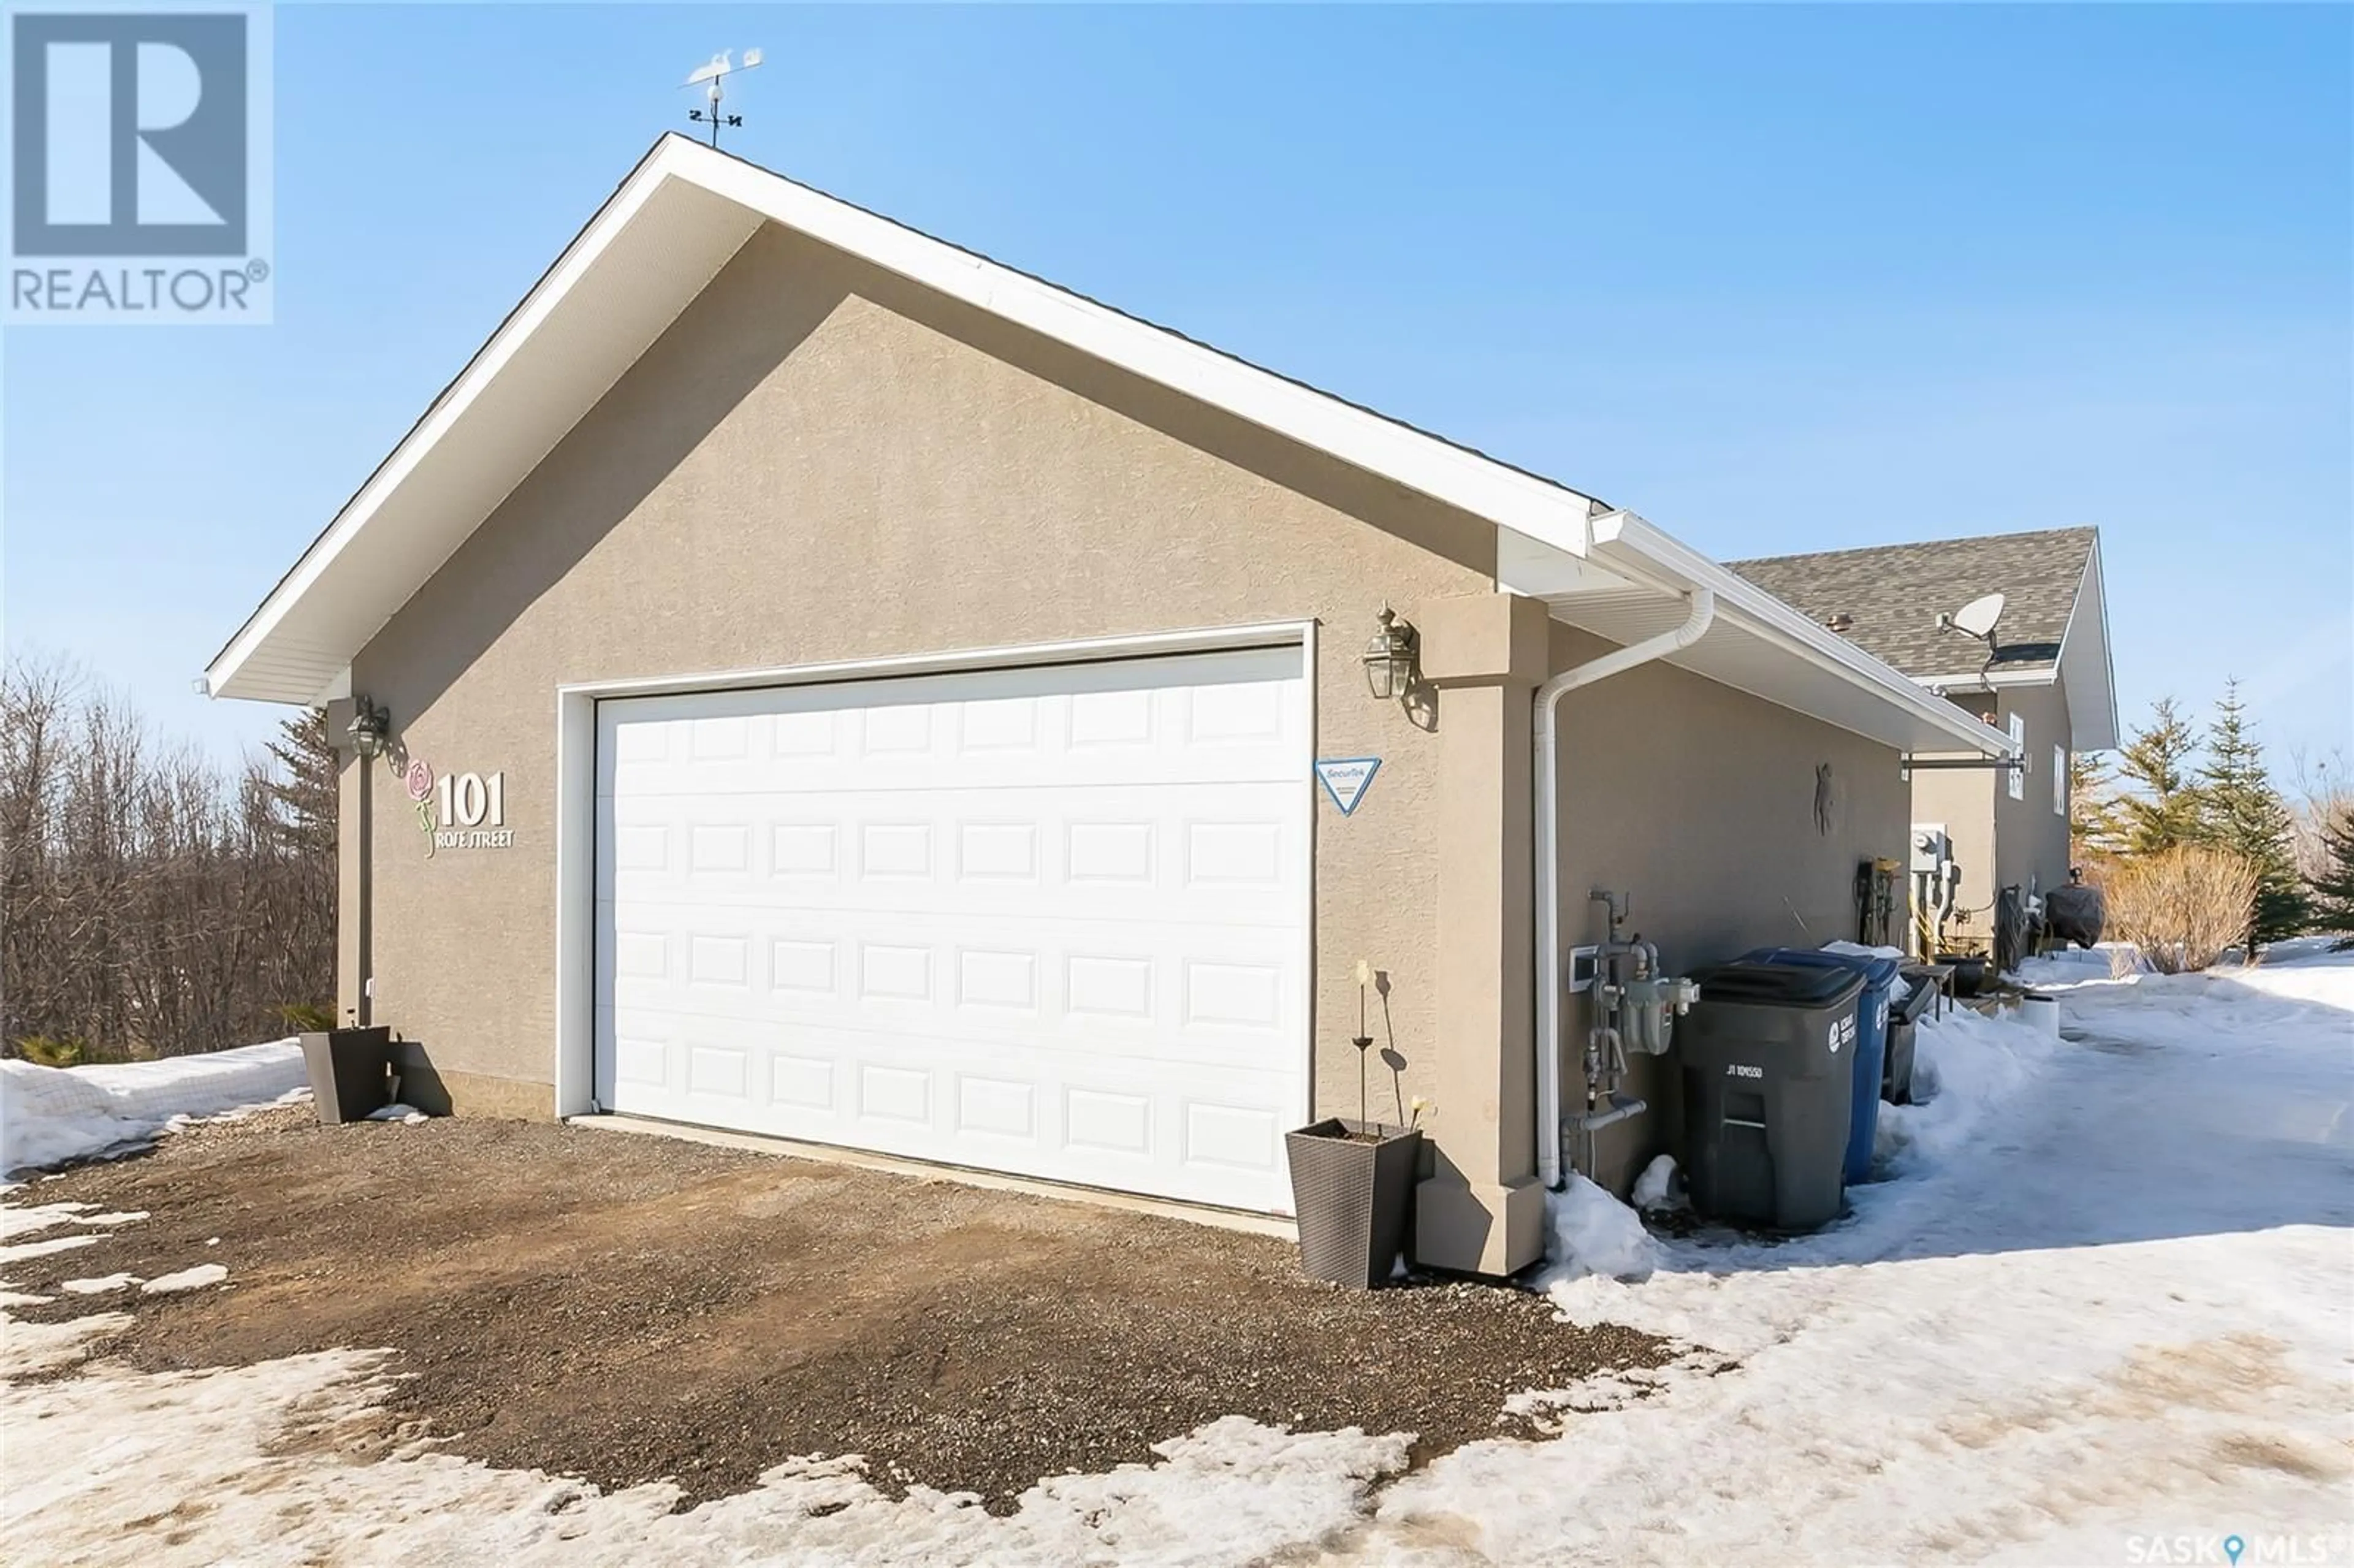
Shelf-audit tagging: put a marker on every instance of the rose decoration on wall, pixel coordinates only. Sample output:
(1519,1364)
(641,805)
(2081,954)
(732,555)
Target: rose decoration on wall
(418,779)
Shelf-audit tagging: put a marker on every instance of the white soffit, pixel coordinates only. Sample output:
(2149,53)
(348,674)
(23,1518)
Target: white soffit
(1633,586)
(686,209)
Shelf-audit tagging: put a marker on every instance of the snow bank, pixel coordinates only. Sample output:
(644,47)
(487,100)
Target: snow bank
(1967,1068)
(2073,966)
(1593,1233)
(50,1116)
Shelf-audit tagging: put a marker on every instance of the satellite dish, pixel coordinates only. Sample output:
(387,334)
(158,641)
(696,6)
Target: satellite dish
(1978,617)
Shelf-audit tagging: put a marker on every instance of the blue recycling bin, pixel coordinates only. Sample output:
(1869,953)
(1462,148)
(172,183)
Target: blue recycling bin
(1881,979)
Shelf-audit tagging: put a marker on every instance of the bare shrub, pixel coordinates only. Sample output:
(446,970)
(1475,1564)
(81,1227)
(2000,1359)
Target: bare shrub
(2182,907)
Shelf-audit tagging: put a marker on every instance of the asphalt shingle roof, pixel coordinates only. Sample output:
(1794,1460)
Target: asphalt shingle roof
(1896,591)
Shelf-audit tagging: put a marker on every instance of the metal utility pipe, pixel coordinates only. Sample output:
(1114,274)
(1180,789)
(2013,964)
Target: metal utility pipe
(1703,610)
(1620,1110)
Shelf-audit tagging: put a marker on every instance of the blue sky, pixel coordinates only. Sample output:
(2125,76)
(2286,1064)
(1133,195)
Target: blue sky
(1779,278)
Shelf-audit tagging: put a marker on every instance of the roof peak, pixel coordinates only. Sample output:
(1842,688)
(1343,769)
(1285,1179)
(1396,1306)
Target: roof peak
(2087,532)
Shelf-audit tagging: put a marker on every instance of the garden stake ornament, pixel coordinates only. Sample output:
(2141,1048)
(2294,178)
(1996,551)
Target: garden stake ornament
(1363,1042)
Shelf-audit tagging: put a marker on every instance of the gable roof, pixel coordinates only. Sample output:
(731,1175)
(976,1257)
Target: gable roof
(684,211)
(1893,594)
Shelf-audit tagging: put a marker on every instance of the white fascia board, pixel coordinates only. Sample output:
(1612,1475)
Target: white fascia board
(2095,728)
(1971,681)
(1778,623)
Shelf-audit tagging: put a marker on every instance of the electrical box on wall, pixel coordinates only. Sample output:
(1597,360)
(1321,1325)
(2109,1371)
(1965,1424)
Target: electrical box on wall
(1584,963)
(1931,847)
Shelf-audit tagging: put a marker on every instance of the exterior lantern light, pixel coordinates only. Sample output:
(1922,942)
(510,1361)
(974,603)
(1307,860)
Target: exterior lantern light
(370,727)
(1389,657)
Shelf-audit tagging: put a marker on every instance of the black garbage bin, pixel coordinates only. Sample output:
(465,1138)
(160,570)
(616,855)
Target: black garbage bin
(1769,1088)
(1903,1025)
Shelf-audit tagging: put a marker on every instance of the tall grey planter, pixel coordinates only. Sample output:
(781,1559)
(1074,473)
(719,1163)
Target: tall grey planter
(1352,1195)
(351,1072)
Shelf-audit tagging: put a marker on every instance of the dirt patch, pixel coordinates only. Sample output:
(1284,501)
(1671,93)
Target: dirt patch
(628,1309)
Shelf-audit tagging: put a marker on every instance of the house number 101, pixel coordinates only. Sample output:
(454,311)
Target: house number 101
(474,811)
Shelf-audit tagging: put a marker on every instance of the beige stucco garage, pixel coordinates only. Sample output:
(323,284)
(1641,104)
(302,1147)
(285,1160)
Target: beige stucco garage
(857,692)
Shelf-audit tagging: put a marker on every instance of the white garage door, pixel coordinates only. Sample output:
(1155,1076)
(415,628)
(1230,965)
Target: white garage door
(1049,920)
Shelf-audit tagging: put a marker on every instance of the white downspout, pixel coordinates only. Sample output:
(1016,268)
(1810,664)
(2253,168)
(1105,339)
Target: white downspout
(1703,602)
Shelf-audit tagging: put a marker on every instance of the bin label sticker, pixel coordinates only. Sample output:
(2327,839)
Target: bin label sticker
(1743,1070)
(1842,1032)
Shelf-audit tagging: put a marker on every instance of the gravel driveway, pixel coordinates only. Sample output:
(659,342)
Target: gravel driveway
(628,1308)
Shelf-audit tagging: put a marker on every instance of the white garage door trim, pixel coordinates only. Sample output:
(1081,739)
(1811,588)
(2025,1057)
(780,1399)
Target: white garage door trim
(576,827)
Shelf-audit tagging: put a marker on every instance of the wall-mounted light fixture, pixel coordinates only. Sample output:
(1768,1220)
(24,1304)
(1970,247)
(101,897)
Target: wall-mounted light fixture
(1389,657)
(371,728)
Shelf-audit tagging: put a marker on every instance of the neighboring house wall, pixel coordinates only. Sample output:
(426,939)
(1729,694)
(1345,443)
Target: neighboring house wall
(1699,802)
(2030,838)
(820,462)
(2000,841)
(1962,799)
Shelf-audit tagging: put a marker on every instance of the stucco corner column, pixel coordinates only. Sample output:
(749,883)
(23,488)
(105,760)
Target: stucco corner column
(1483,1211)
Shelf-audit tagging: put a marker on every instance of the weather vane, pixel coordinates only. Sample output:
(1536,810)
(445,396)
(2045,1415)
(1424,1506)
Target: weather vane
(715,74)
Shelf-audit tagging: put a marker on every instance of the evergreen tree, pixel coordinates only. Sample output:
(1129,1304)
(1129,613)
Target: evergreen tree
(2159,810)
(290,803)
(2333,885)
(2240,811)
(2095,824)
(301,789)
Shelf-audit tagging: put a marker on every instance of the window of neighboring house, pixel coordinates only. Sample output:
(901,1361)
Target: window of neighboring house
(2058,780)
(2017,784)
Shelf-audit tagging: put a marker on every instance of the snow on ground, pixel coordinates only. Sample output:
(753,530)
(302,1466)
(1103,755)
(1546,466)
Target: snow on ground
(2104,1299)
(50,1116)
(1227,1493)
(1594,1232)
(2095,1310)
(407,1116)
(193,1277)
